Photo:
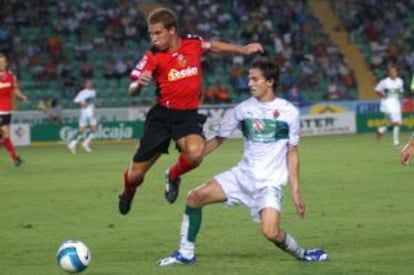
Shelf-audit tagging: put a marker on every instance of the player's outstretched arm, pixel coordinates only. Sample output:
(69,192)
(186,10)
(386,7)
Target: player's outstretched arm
(136,86)
(407,152)
(212,144)
(19,93)
(218,46)
(293,166)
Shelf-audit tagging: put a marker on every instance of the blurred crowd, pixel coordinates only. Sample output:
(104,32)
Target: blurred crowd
(56,44)
(384,29)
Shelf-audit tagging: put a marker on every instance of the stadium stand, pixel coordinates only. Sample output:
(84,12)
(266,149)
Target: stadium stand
(54,44)
(383,31)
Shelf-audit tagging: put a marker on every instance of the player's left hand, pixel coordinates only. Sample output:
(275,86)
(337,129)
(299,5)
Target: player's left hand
(253,48)
(299,204)
(407,153)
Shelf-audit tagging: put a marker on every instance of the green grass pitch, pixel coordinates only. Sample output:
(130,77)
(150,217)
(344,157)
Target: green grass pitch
(359,208)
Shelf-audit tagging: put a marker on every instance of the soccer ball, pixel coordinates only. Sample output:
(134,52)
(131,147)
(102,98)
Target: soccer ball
(73,256)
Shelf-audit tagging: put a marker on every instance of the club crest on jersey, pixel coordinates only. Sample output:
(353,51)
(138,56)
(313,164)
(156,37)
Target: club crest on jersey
(276,114)
(175,74)
(258,125)
(182,62)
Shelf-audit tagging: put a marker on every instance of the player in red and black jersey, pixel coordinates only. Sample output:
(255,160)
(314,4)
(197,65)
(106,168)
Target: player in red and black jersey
(8,86)
(173,63)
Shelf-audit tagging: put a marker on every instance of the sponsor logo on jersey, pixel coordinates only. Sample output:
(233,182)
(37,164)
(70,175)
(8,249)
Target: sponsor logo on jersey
(175,74)
(258,125)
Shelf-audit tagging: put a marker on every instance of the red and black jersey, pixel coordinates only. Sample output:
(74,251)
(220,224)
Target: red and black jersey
(8,83)
(177,74)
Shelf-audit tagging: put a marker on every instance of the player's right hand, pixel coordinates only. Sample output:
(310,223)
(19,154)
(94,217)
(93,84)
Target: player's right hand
(253,48)
(407,153)
(144,78)
(299,204)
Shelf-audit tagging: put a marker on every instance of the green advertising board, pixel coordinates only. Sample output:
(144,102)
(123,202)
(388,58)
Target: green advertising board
(106,131)
(369,122)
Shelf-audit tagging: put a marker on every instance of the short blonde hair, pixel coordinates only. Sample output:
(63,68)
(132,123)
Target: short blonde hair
(163,15)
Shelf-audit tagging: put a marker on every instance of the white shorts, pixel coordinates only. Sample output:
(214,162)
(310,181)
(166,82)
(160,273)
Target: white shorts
(394,117)
(240,189)
(86,120)
(392,109)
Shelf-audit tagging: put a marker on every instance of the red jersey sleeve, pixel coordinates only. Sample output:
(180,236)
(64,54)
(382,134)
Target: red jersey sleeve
(147,63)
(204,44)
(15,83)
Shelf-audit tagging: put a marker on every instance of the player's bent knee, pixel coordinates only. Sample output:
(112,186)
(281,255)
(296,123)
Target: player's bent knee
(194,199)
(195,157)
(270,234)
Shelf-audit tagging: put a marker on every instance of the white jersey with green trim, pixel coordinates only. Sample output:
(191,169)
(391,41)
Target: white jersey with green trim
(392,89)
(86,96)
(267,127)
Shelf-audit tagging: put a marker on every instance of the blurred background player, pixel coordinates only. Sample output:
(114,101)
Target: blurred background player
(86,100)
(174,63)
(408,151)
(389,90)
(8,86)
(271,129)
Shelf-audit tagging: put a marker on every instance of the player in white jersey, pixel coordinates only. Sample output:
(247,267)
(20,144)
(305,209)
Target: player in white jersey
(271,130)
(86,100)
(390,89)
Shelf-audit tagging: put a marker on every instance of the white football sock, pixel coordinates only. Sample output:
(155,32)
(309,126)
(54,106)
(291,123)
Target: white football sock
(186,247)
(395,135)
(382,129)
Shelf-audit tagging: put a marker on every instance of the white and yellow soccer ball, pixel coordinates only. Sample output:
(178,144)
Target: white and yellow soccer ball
(73,256)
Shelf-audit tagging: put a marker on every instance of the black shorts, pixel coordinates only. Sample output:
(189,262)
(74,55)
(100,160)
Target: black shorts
(162,125)
(5,119)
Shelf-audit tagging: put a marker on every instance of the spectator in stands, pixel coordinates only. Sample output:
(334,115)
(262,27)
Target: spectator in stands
(72,25)
(69,87)
(377,60)
(222,93)
(54,113)
(36,66)
(130,31)
(63,68)
(209,95)
(85,68)
(109,70)
(54,45)
(347,76)
(307,73)
(334,91)
(239,80)
(120,69)
(43,104)
(51,68)
(289,79)
(294,95)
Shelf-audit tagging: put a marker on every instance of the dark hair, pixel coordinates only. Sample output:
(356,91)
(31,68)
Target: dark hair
(269,69)
(163,15)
